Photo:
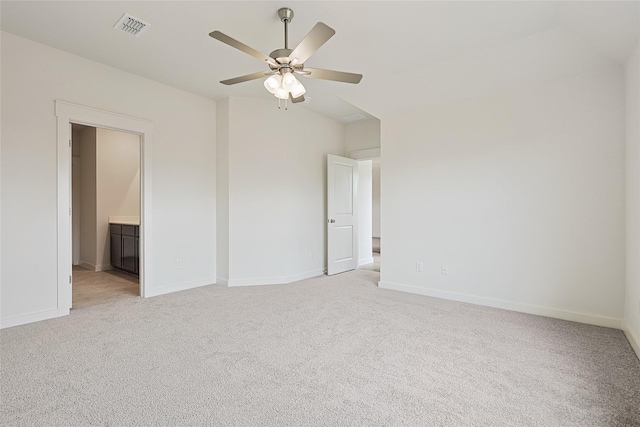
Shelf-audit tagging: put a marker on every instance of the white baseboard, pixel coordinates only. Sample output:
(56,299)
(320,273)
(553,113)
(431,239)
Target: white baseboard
(590,319)
(222,282)
(365,261)
(33,317)
(87,265)
(92,267)
(178,287)
(632,337)
(275,280)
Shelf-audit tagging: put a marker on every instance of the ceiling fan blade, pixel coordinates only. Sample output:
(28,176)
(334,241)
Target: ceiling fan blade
(241,46)
(338,76)
(296,100)
(245,78)
(318,36)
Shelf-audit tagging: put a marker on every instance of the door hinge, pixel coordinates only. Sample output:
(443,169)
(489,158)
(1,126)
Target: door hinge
(69,210)
(69,279)
(69,143)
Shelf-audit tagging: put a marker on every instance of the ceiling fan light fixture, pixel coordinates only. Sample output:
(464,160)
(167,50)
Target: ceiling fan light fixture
(289,81)
(273,83)
(283,63)
(282,93)
(298,90)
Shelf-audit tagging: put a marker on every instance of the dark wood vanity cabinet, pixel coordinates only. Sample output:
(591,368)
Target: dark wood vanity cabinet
(124,247)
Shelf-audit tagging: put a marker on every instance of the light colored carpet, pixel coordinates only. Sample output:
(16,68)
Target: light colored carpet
(324,351)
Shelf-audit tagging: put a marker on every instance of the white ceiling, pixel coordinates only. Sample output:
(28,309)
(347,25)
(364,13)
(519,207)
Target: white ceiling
(411,53)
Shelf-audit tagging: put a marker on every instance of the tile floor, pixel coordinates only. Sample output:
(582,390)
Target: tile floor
(375,265)
(99,287)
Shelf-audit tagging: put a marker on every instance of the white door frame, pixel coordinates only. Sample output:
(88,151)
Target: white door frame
(67,114)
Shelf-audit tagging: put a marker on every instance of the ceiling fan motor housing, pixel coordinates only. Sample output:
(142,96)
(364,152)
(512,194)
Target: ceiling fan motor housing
(281,56)
(283,62)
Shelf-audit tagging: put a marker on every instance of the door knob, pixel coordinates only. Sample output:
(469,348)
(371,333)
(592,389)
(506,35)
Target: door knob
(332,221)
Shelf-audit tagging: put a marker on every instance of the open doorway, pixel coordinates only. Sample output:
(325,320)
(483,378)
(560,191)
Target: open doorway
(105,215)
(369,213)
(375,213)
(68,114)
(363,143)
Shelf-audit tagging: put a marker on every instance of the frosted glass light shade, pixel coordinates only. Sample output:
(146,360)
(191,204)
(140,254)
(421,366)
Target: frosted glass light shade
(289,81)
(282,93)
(273,83)
(298,90)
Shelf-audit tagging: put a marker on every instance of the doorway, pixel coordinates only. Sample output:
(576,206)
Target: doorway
(105,194)
(67,115)
(353,208)
(375,216)
(369,199)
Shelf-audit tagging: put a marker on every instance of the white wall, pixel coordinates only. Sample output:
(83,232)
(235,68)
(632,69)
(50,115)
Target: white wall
(632,104)
(375,199)
(362,135)
(365,228)
(521,194)
(183,168)
(222,191)
(277,190)
(86,140)
(118,185)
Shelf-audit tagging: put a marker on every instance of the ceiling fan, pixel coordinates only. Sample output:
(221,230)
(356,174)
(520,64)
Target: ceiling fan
(285,63)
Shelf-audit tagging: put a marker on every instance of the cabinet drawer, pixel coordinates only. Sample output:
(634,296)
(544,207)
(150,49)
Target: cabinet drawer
(115,228)
(130,230)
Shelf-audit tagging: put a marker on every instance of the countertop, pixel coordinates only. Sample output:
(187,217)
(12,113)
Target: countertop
(124,220)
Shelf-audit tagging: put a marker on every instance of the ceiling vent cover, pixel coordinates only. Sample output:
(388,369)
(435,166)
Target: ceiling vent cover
(130,25)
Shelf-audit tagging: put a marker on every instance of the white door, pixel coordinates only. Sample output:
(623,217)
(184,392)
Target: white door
(342,215)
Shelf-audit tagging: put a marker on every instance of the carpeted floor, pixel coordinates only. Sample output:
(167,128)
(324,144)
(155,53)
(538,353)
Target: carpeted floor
(324,351)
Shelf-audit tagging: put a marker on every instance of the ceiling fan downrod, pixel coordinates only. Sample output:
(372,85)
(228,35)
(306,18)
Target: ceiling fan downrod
(286,15)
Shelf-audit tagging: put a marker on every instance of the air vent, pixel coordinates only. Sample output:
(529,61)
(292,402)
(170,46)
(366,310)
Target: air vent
(353,117)
(130,25)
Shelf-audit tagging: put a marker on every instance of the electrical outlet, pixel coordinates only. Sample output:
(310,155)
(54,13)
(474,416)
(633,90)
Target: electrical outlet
(310,254)
(178,263)
(419,266)
(445,269)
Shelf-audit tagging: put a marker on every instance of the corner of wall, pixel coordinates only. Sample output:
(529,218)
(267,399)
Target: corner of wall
(222,188)
(633,339)
(632,163)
